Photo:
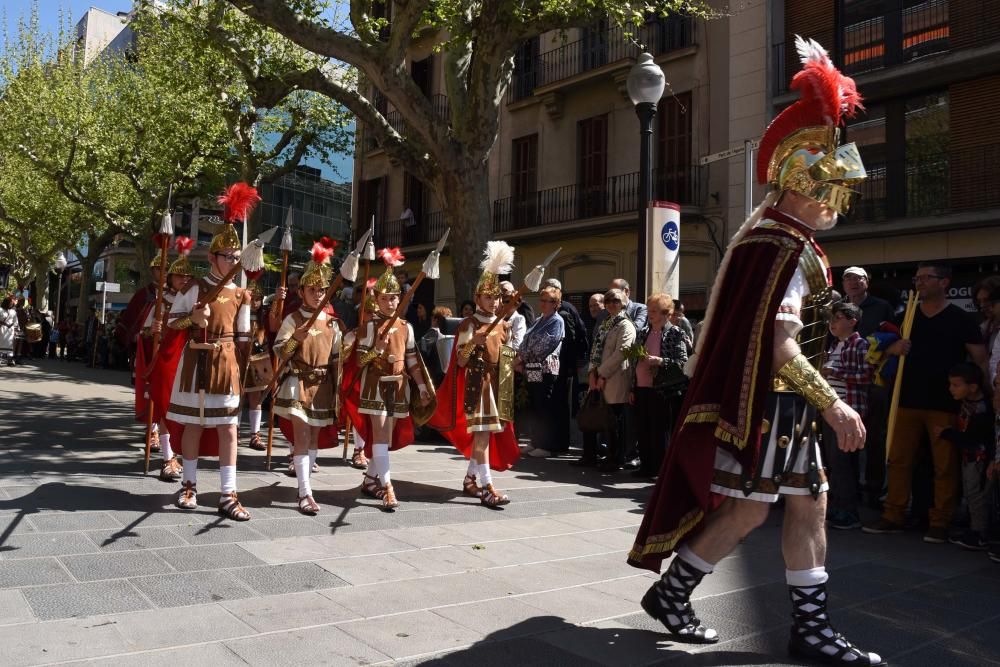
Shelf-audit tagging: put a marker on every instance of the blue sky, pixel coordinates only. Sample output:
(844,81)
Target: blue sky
(48,11)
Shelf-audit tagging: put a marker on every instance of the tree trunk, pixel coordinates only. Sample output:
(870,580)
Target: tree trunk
(41,270)
(95,248)
(468,211)
(145,250)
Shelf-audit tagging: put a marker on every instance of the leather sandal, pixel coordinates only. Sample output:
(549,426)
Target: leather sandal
(389,501)
(187,499)
(471,488)
(256,443)
(230,507)
(154,441)
(371,487)
(290,470)
(308,506)
(493,498)
(170,471)
(359,460)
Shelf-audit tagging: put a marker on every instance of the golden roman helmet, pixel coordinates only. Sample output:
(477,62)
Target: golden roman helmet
(387,283)
(156,262)
(318,271)
(800,150)
(182,266)
(498,260)
(238,202)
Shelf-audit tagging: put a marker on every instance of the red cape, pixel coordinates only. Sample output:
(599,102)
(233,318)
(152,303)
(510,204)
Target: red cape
(449,420)
(350,393)
(725,400)
(161,378)
(329,436)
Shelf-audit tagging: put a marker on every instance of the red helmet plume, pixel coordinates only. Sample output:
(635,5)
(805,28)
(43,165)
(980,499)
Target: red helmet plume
(183,244)
(239,201)
(392,256)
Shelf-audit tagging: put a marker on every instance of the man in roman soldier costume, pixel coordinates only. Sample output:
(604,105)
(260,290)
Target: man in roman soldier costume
(205,400)
(380,404)
(156,383)
(475,401)
(748,431)
(306,400)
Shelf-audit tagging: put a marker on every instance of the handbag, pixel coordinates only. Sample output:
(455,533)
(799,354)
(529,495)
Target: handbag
(671,379)
(594,414)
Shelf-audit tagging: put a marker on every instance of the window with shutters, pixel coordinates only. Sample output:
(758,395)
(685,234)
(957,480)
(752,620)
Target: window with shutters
(592,158)
(674,180)
(524,181)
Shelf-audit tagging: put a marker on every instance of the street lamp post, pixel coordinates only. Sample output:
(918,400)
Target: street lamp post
(60,265)
(645,85)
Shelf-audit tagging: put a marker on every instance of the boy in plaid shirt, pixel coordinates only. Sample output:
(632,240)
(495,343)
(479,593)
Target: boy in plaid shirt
(849,374)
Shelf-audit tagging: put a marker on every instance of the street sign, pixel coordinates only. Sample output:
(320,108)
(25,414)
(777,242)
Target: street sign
(728,153)
(109,287)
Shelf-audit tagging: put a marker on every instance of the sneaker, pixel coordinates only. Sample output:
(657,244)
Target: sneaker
(842,520)
(936,535)
(881,527)
(539,453)
(969,540)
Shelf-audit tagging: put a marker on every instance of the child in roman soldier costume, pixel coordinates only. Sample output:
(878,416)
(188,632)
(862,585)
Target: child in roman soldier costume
(205,400)
(475,402)
(154,377)
(387,382)
(748,431)
(306,400)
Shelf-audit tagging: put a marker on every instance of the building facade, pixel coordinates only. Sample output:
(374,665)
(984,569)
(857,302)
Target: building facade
(564,169)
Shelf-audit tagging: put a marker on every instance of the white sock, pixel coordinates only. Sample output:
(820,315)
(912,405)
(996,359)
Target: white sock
(803,578)
(380,457)
(313,454)
(191,471)
(359,442)
(485,477)
(227,475)
(694,560)
(302,469)
(165,449)
(255,420)
(473,468)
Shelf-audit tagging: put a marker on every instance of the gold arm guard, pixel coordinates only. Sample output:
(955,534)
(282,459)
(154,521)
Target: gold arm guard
(807,382)
(182,323)
(368,357)
(288,349)
(467,350)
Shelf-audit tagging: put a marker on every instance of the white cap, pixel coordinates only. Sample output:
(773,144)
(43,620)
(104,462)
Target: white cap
(856,271)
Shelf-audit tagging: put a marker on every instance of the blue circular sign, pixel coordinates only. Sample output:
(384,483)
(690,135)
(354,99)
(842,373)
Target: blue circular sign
(671,236)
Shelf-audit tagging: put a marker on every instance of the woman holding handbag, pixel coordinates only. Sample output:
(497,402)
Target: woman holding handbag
(538,359)
(659,383)
(610,373)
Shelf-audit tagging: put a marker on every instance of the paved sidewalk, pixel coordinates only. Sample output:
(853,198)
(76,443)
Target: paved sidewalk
(96,565)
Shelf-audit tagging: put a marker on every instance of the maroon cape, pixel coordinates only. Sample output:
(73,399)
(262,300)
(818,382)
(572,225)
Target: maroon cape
(350,394)
(449,420)
(160,381)
(725,400)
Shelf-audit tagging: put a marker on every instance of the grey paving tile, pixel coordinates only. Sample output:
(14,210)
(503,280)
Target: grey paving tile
(375,542)
(411,634)
(115,565)
(611,643)
(290,578)
(71,600)
(318,646)
(942,653)
(208,557)
(358,570)
(521,651)
(73,639)
(217,655)
(216,532)
(291,549)
(195,624)
(14,523)
(53,544)
(138,538)
(289,527)
(14,608)
(501,619)
(161,516)
(918,611)
(186,588)
(289,611)
(31,572)
(579,605)
(50,523)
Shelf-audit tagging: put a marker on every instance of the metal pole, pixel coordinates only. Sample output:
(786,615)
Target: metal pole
(645,111)
(747,177)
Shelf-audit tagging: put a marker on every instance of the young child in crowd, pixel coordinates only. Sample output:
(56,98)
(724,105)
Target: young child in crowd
(975,439)
(849,374)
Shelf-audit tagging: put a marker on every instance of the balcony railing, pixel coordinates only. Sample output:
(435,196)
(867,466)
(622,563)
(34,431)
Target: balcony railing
(600,48)
(427,228)
(868,43)
(932,184)
(366,140)
(618,194)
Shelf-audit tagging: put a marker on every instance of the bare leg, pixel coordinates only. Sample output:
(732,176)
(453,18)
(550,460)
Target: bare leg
(803,534)
(227,444)
(726,527)
(191,442)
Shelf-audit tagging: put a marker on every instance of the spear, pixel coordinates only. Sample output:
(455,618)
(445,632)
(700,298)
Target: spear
(166,230)
(430,269)
(369,257)
(532,282)
(348,271)
(277,307)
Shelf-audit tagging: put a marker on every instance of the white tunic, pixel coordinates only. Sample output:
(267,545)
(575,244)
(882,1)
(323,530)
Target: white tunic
(8,330)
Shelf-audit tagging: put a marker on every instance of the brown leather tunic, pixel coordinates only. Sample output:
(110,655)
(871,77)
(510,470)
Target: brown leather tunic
(222,361)
(310,365)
